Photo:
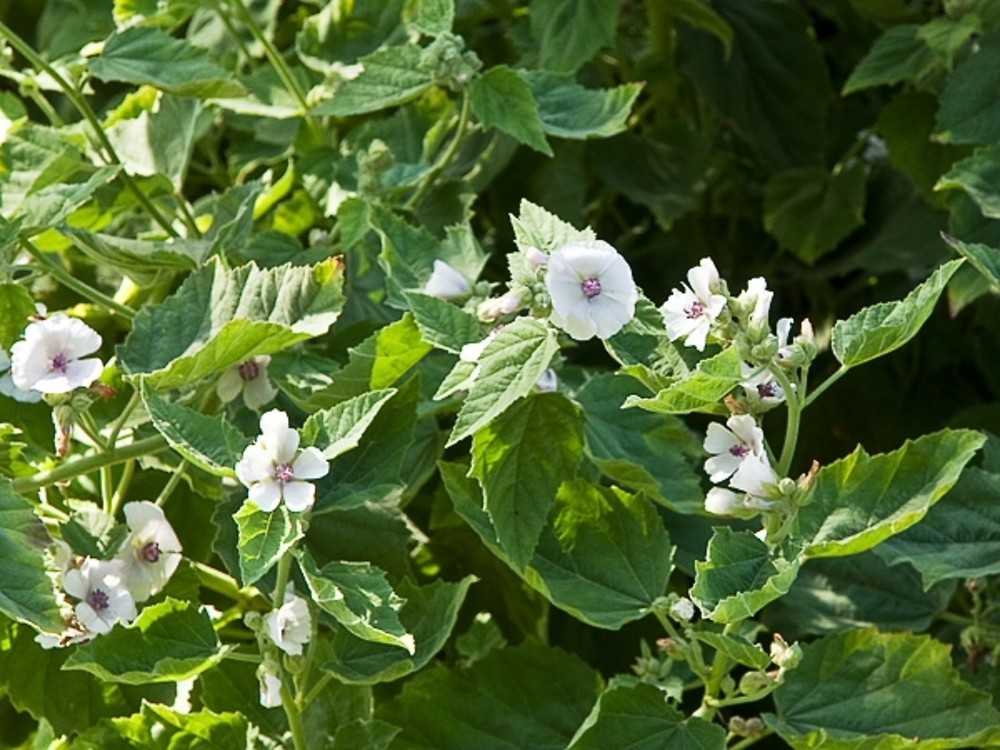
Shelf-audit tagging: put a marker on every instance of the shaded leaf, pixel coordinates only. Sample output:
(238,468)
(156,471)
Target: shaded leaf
(503,99)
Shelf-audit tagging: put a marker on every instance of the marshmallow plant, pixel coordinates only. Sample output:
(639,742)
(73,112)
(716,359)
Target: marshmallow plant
(306,443)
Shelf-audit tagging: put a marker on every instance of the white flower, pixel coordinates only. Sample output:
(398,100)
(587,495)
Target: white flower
(783,329)
(273,468)
(762,390)
(755,477)
(722,502)
(757,300)
(591,289)
(270,687)
(535,258)
(682,609)
(48,360)
(103,599)
(446,282)
(7,387)
(731,445)
(250,379)
(691,311)
(548,382)
(496,307)
(151,552)
(290,626)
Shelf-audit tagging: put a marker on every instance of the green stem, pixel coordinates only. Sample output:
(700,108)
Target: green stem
(826,384)
(288,702)
(90,463)
(122,486)
(750,741)
(67,279)
(83,107)
(241,656)
(172,483)
(281,579)
(226,585)
(793,400)
(716,674)
(280,67)
(442,164)
(317,689)
(116,426)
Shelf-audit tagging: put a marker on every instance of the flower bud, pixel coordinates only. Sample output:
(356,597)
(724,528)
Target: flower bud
(753,683)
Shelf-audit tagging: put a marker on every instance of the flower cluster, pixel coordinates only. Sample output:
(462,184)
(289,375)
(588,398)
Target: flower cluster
(703,311)
(274,469)
(107,591)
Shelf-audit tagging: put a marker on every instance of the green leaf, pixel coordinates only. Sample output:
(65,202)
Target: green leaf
(536,227)
(568,110)
(530,696)
(737,648)
(211,443)
(219,318)
(739,576)
(201,729)
(520,459)
(371,735)
(443,325)
(140,260)
(959,537)
(360,598)
(509,367)
(264,539)
(831,595)
(636,715)
(35,683)
(864,689)
(503,99)
(900,54)
(169,642)
(428,614)
(675,159)
(53,204)
(970,110)
(16,306)
(861,500)
(570,32)
(339,429)
(389,77)
(26,589)
(34,158)
(886,326)
(606,557)
(149,56)
(645,451)
(434,17)
(701,391)
(978,176)
(771,80)
(644,350)
(810,210)
(699,14)
(983,258)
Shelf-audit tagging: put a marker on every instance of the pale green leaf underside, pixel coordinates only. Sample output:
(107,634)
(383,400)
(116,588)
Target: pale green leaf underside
(983,258)
(338,429)
(884,327)
(862,500)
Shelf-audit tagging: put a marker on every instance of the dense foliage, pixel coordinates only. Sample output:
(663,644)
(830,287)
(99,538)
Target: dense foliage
(401,374)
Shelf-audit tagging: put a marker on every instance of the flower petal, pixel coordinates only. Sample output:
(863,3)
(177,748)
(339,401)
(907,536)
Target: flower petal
(310,464)
(299,496)
(265,495)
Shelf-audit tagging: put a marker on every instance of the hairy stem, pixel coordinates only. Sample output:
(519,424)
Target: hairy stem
(87,464)
(442,164)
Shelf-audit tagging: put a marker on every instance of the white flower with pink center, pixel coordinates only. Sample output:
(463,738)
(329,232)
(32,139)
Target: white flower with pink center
(274,469)
(150,553)
(591,288)
(48,358)
(730,445)
(250,379)
(689,312)
(104,600)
